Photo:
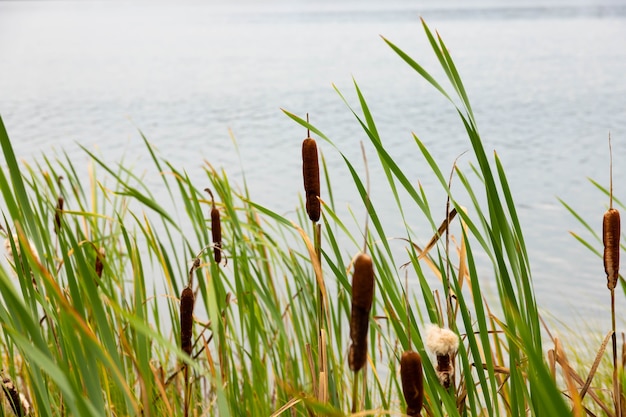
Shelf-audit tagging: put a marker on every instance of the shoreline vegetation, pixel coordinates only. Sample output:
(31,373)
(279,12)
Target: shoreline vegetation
(111,306)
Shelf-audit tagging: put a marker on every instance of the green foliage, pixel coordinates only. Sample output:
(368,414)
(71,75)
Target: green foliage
(77,343)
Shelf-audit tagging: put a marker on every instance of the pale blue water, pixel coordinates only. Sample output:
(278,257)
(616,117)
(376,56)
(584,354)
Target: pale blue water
(546,81)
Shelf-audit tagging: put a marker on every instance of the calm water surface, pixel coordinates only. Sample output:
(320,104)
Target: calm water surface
(546,82)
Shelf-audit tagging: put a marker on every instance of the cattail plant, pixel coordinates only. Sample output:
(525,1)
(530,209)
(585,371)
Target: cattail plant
(443,343)
(187,300)
(610,238)
(311,179)
(412,377)
(216,229)
(362,298)
(311,175)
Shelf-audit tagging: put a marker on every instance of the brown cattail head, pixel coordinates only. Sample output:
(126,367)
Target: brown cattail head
(100,255)
(610,237)
(216,231)
(412,378)
(187,300)
(57,215)
(311,175)
(362,297)
(58,212)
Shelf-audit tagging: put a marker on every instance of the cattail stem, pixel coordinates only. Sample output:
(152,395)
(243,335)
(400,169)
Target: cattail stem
(355,391)
(611,232)
(616,383)
(317,243)
(187,392)
(610,174)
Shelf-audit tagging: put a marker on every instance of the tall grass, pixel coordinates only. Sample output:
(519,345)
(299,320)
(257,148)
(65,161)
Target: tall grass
(90,306)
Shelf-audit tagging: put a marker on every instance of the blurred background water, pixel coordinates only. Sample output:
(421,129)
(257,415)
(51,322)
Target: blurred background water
(546,81)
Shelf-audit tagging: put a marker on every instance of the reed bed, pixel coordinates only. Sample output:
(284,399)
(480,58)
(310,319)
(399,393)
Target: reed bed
(115,302)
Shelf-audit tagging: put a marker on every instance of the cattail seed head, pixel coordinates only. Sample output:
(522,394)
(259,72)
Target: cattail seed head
(58,212)
(610,237)
(216,231)
(443,343)
(187,299)
(100,255)
(311,175)
(412,378)
(362,298)
(57,215)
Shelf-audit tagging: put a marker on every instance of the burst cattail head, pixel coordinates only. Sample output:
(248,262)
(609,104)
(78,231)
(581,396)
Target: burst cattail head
(19,403)
(16,242)
(443,343)
(187,299)
(362,298)
(9,250)
(412,378)
(610,237)
(311,175)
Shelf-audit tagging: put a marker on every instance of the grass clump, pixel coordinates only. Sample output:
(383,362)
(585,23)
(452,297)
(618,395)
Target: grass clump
(278,329)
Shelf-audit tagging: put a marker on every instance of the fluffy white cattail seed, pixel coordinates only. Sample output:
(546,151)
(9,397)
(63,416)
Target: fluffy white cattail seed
(443,343)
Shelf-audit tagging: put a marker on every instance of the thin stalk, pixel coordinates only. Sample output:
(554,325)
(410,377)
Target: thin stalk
(355,391)
(187,391)
(616,390)
(321,339)
(317,243)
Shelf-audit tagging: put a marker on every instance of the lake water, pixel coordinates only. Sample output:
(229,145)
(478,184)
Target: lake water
(546,79)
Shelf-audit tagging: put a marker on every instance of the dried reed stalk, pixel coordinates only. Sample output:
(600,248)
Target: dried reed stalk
(311,175)
(570,376)
(412,378)
(362,297)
